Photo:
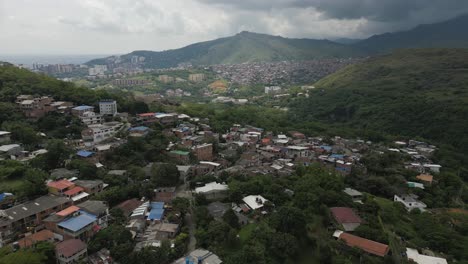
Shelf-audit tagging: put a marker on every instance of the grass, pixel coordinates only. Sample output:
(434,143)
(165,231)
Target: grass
(246,232)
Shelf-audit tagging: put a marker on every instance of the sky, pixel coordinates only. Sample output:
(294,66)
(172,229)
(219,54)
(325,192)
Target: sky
(121,26)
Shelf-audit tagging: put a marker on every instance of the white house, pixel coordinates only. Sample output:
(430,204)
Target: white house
(414,255)
(410,201)
(254,202)
(298,152)
(213,190)
(4,136)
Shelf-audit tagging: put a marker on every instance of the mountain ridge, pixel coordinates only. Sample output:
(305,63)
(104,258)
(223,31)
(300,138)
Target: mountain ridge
(257,47)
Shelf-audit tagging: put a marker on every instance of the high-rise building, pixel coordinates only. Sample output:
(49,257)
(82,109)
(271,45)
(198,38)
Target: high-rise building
(198,77)
(108,107)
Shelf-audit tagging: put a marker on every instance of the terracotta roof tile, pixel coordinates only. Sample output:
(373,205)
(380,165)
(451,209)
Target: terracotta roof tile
(367,245)
(70,247)
(345,215)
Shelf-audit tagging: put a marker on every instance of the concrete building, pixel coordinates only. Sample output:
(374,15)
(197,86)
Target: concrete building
(29,214)
(90,118)
(410,202)
(272,89)
(108,107)
(80,110)
(100,132)
(199,256)
(4,136)
(197,77)
(203,152)
(213,190)
(413,255)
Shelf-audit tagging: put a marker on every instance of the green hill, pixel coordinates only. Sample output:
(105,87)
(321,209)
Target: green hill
(243,47)
(415,92)
(446,34)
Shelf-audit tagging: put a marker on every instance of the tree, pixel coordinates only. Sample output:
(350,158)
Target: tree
(34,183)
(181,204)
(231,218)
(289,220)
(164,174)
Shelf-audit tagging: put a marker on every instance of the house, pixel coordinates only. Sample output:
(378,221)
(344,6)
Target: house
(60,187)
(77,194)
(85,154)
(4,136)
(29,214)
(213,190)
(36,107)
(157,211)
(181,156)
(254,202)
(413,255)
(203,152)
(199,256)
(346,218)
(165,119)
(425,178)
(71,251)
(91,186)
(41,236)
(80,110)
(294,152)
(6,200)
(432,167)
(164,194)
(139,131)
(10,151)
(97,208)
(415,185)
(166,230)
(62,173)
(354,194)
(366,245)
(410,201)
(101,257)
(129,206)
(72,223)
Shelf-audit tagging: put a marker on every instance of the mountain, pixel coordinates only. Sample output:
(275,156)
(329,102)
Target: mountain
(243,47)
(346,41)
(447,34)
(414,92)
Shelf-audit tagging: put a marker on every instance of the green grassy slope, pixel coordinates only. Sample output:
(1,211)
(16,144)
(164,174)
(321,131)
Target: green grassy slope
(415,92)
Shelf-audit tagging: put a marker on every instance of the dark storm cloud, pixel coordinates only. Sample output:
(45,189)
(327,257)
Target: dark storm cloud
(373,10)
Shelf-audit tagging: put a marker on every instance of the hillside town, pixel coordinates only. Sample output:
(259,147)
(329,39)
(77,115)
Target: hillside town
(71,215)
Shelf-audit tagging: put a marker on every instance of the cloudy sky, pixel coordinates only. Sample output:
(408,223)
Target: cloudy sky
(121,26)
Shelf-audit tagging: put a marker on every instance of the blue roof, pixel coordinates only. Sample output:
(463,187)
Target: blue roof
(337,156)
(84,153)
(140,128)
(3,195)
(78,222)
(83,107)
(156,214)
(158,205)
(327,148)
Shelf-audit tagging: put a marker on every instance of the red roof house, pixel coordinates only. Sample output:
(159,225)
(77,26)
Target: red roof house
(346,218)
(366,245)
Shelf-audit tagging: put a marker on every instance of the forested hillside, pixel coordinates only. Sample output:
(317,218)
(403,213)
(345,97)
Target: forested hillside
(409,93)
